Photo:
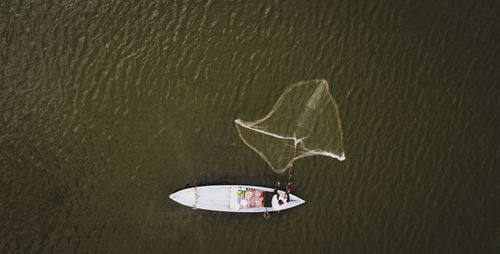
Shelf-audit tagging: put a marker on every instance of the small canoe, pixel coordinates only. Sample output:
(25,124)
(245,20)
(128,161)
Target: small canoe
(232,198)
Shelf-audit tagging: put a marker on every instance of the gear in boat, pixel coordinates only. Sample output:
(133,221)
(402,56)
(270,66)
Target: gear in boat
(251,198)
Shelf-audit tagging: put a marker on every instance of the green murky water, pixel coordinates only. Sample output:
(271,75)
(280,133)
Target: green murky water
(107,107)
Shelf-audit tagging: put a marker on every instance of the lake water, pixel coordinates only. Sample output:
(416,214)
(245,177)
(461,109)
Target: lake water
(108,107)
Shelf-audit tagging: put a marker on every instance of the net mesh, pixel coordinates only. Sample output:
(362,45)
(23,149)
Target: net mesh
(303,122)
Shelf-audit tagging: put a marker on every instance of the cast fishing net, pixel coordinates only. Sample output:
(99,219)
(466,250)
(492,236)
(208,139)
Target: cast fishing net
(303,122)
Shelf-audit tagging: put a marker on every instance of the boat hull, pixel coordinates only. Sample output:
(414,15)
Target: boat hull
(230,198)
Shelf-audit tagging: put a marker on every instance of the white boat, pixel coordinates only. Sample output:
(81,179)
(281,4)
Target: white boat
(233,198)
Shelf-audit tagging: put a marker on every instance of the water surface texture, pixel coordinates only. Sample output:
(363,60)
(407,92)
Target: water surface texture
(108,107)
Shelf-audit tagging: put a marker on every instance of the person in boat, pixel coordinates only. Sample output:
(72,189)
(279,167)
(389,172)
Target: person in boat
(276,188)
(278,202)
(288,190)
